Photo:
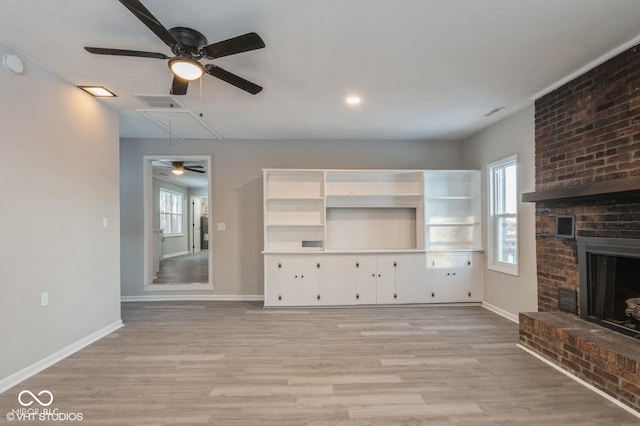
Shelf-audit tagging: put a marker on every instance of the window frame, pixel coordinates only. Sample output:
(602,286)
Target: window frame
(180,216)
(493,262)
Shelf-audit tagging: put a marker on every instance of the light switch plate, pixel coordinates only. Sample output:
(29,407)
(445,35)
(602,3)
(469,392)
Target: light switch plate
(222,226)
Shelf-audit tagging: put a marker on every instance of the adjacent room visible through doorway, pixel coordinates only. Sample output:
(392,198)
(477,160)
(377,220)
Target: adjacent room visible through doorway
(177,214)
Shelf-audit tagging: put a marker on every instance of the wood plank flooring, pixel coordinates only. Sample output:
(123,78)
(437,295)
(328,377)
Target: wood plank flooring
(186,269)
(232,363)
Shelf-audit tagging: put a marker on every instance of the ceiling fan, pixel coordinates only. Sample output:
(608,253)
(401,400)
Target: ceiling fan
(188,46)
(178,167)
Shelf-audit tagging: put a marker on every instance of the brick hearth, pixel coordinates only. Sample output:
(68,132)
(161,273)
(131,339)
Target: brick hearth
(587,131)
(605,359)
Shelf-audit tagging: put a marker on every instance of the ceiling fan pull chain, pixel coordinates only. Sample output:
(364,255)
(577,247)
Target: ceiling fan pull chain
(201,106)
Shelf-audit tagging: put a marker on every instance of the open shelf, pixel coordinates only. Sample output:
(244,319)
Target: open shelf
(359,210)
(382,200)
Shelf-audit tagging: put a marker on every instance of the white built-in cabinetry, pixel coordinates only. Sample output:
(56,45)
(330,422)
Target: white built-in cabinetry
(347,237)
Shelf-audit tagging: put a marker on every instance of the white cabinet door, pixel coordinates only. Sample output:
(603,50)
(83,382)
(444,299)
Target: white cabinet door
(475,278)
(453,277)
(366,280)
(412,282)
(386,279)
(338,280)
(272,295)
(298,281)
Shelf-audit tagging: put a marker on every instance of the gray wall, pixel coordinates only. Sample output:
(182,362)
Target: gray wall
(513,135)
(237,194)
(60,155)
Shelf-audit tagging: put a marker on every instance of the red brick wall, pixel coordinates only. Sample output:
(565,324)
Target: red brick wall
(589,129)
(610,363)
(586,131)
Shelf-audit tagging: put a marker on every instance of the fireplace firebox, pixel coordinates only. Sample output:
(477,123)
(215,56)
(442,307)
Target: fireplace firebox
(610,283)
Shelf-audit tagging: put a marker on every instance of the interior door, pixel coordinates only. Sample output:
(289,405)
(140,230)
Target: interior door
(196,212)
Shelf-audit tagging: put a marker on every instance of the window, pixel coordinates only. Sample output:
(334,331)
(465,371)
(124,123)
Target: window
(503,215)
(171,212)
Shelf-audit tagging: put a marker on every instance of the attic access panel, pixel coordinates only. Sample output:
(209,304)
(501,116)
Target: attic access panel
(183,124)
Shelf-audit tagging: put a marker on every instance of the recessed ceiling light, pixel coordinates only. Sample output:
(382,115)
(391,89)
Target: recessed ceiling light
(98,91)
(353,100)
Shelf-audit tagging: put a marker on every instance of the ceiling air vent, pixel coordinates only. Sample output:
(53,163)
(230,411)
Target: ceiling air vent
(159,101)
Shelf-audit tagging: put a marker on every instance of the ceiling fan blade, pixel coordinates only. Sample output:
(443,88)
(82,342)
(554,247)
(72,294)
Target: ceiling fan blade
(179,86)
(233,79)
(191,169)
(147,18)
(243,43)
(123,52)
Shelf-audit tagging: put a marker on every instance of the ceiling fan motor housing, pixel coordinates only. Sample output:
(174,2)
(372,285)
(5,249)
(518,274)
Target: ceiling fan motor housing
(190,40)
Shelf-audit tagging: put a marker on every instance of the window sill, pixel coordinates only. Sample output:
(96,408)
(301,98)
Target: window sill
(505,269)
(173,235)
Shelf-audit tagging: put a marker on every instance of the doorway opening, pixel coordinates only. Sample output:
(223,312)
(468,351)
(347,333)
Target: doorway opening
(177,223)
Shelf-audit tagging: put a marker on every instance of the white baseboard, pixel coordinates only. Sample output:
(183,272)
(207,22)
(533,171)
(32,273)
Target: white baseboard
(501,312)
(194,297)
(579,380)
(181,253)
(25,373)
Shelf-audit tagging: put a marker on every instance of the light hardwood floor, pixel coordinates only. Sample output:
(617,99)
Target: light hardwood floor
(185,269)
(231,363)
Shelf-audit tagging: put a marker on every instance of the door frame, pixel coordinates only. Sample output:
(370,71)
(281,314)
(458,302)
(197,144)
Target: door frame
(148,224)
(193,222)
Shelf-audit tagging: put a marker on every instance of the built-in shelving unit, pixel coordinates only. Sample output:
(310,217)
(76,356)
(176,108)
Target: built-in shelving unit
(294,210)
(323,228)
(452,210)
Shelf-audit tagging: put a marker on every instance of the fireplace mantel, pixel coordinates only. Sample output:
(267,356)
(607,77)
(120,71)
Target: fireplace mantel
(618,187)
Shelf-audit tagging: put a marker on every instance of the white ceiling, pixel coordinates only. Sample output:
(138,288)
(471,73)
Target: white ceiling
(425,69)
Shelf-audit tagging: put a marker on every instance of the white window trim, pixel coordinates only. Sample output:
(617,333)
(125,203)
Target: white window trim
(179,234)
(492,263)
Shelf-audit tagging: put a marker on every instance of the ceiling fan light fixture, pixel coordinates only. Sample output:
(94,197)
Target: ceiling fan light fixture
(178,169)
(186,68)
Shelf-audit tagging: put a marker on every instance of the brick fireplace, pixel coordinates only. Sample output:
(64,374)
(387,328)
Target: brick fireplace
(588,167)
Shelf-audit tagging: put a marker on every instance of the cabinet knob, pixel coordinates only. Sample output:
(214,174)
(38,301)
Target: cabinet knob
(468,263)
(279,265)
(379,275)
(318,265)
(453,273)
(357,296)
(433,294)
(469,294)
(448,274)
(318,297)
(301,276)
(373,275)
(395,264)
(279,297)
(395,296)
(357,264)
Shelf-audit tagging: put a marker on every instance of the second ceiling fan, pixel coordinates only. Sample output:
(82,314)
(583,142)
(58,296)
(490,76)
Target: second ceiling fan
(188,46)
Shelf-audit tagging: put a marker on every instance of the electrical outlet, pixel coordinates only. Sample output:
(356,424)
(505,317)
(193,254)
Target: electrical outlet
(44,299)
(222,226)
